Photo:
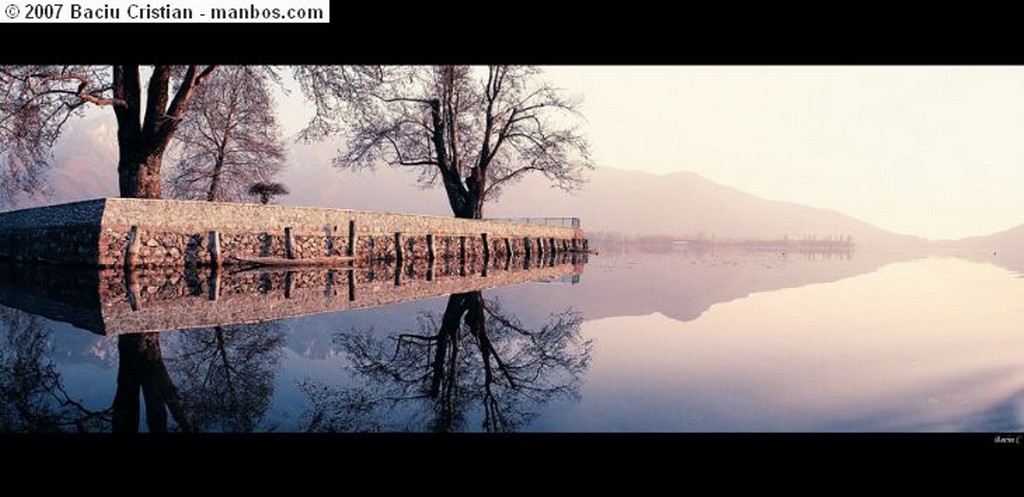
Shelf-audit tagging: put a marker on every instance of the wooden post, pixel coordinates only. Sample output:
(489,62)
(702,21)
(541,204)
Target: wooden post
(430,249)
(289,284)
(329,235)
(526,248)
(329,283)
(398,248)
(398,275)
(215,254)
(351,285)
(214,286)
(289,243)
(508,248)
(554,246)
(352,238)
(132,251)
(486,252)
(487,248)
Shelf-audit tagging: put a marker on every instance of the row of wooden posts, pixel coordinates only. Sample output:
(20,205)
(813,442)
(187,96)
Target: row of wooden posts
(216,254)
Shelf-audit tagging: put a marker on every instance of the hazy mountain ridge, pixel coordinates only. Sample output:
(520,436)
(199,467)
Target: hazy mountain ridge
(685,204)
(679,204)
(630,202)
(1005,248)
(1013,237)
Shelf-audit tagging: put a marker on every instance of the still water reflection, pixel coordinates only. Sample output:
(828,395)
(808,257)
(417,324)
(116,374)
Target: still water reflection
(671,340)
(474,361)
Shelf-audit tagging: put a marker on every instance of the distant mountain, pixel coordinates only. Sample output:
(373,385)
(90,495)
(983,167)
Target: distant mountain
(684,204)
(1005,248)
(679,204)
(85,164)
(313,182)
(630,202)
(1011,238)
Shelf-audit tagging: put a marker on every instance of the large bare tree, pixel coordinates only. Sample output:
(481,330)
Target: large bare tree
(229,139)
(37,101)
(475,130)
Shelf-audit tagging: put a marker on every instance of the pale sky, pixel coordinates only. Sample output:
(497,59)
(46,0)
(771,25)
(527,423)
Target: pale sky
(931,151)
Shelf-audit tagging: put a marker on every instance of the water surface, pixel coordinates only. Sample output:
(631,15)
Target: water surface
(669,340)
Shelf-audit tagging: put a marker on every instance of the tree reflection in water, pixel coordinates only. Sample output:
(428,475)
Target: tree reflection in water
(226,374)
(141,367)
(478,356)
(218,379)
(32,395)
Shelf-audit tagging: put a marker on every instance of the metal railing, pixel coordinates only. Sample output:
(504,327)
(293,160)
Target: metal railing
(565,222)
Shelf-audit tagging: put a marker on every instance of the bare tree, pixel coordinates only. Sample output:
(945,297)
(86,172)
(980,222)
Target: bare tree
(32,393)
(37,101)
(266,191)
(229,139)
(477,355)
(226,374)
(476,130)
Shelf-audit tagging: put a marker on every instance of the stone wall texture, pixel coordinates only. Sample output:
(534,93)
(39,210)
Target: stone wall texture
(177,233)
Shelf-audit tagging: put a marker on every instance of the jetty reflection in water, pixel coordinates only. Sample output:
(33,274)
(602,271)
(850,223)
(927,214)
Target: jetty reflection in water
(220,373)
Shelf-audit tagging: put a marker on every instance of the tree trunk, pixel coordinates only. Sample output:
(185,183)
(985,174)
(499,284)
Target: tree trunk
(141,144)
(215,182)
(139,174)
(456,196)
(478,208)
(464,203)
(476,185)
(141,367)
(464,200)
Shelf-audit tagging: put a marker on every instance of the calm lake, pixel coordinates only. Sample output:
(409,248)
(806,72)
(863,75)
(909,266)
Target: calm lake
(674,339)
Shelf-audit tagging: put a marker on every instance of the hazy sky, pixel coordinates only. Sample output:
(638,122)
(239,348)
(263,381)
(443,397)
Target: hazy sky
(931,151)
